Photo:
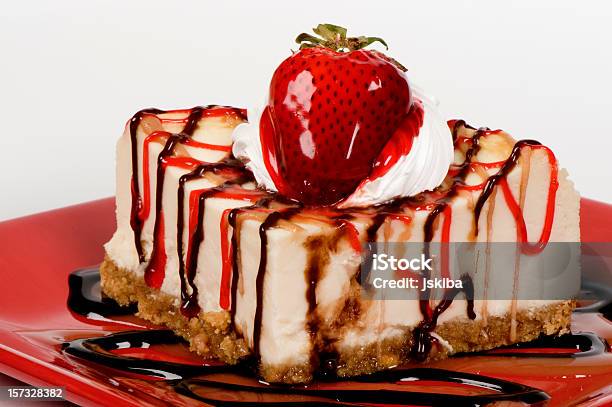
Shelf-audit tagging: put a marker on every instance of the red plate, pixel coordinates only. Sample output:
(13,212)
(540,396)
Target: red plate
(40,251)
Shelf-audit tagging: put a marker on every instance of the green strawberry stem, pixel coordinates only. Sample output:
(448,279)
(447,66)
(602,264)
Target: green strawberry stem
(334,37)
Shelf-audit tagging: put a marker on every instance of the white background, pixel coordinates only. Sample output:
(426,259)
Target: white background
(72,72)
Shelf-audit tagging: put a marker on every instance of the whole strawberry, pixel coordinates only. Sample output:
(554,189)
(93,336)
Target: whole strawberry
(332,108)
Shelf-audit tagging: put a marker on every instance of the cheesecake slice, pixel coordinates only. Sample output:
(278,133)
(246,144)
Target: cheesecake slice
(244,274)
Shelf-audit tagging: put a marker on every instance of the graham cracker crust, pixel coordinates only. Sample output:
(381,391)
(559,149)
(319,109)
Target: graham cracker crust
(461,336)
(210,334)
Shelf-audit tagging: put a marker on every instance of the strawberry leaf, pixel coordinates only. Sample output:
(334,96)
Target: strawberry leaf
(307,40)
(371,40)
(330,32)
(334,37)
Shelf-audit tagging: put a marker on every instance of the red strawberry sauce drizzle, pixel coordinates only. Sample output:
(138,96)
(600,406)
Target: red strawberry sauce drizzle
(195,234)
(140,208)
(227,249)
(180,162)
(231,190)
(226,259)
(267,138)
(155,270)
(136,205)
(208,111)
(400,144)
(138,213)
(353,234)
(197,144)
(501,179)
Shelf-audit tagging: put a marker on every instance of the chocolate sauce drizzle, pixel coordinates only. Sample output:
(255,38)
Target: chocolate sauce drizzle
(271,221)
(317,247)
(464,168)
(422,339)
(189,306)
(503,172)
(191,123)
(135,221)
(456,125)
(192,120)
(173,140)
(312,275)
(189,301)
(371,232)
(167,151)
(233,222)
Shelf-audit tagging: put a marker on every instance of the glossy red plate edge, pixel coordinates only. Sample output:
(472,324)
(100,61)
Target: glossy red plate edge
(39,250)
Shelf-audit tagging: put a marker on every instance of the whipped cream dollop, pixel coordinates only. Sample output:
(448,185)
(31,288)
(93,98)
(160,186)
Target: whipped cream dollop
(422,169)
(248,149)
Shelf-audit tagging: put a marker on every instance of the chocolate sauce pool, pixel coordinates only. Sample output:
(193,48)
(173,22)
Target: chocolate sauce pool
(225,385)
